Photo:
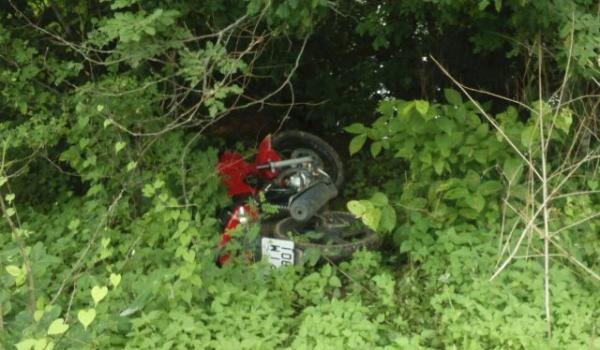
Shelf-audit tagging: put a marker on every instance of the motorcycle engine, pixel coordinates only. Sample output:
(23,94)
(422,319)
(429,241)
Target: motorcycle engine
(300,180)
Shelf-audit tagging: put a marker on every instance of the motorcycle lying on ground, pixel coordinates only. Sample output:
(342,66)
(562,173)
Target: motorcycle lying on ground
(294,174)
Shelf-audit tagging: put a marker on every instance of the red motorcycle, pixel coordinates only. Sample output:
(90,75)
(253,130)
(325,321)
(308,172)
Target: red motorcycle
(296,174)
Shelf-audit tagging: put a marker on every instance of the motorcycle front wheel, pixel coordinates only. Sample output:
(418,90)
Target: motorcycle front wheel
(294,144)
(336,234)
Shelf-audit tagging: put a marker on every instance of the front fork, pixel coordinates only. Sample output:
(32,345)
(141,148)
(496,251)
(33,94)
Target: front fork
(242,215)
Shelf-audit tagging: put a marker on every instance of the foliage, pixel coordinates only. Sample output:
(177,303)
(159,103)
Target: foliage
(376,212)
(449,294)
(460,173)
(452,155)
(109,194)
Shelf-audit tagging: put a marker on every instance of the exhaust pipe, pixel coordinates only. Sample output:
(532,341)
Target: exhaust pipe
(305,205)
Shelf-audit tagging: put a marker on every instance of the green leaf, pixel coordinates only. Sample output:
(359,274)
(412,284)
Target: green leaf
(159,183)
(425,157)
(512,168)
(13,270)
(326,270)
(357,143)
(115,279)
(375,148)
(469,213)
(417,203)
(396,125)
(356,128)
(98,293)
(58,326)
(371,218)
(3,180)
(482,131)
(148,190)
(83,121)
(131,165)
(86,317)
(438,166)
(334,281)
(10,212)
(477,202)
(356,208)
(26,344)
(443,141)
(472,179)
(119,146)
(489,187)
(388,219)
(74,224)
(386,107)
(37,315)
(481,156)
(119,4)
(150,31)
(379,199)
(10,197)
(528,135)
(446,124)
(407,108)
(42,344)
(422,106)
(453,97)
(564,120)
(457,193)
(311,256)
(498,5)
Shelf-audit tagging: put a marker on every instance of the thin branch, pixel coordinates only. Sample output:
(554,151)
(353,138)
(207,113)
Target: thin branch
(576,223)
(563,85)
(544,180)
(575,261)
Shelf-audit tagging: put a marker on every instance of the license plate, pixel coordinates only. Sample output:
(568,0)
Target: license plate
(278,252)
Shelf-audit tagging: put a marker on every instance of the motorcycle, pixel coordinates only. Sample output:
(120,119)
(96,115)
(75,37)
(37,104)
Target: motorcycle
(295,174)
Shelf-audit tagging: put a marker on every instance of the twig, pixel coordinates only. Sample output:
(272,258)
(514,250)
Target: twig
(576,223)
(575,261)
(544,180)
(563,85)
(67,314)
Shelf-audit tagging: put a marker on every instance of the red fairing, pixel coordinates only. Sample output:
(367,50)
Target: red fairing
(242,215)
(267,154)
(234,169)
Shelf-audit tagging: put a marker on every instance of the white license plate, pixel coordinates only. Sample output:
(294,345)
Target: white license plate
(278,252)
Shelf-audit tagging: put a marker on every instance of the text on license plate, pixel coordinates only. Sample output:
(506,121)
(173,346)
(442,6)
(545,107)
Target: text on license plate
(279,252)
